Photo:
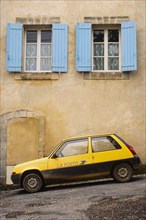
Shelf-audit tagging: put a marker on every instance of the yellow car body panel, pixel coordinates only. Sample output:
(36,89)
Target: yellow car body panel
(39,164)
(64,164)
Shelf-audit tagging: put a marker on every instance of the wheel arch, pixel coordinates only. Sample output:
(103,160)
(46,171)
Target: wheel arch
(120,162)
(32,171)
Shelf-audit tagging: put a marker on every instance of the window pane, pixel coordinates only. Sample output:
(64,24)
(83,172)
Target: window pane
(31,37)
(30,64)
(98,36)
(113,35)
(98,63)
(98,50)
(113,63)
(46,36)
(31,50)
(113,49)
(102,144)
(74,148)
(45,64)
(46,50)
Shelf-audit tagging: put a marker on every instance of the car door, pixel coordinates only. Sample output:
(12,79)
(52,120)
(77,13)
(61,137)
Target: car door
(105,152)
(71,161)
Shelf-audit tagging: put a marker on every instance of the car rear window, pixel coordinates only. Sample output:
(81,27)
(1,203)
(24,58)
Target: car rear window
(100,144)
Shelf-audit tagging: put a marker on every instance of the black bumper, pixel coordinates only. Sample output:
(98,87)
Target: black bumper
(135,162)
(16,179)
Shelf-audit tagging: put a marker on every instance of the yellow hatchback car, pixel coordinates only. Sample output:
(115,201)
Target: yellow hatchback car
(81,158)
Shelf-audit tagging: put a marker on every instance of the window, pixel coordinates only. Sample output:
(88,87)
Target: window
(38,47)
(46,49)
(104,144)
(102,48)
(72,148)
(106,50)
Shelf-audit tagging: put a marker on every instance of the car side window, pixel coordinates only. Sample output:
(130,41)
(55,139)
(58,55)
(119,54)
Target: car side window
(104,144)
(75,147)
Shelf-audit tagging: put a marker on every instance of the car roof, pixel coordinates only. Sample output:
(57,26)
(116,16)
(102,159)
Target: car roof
(86,136)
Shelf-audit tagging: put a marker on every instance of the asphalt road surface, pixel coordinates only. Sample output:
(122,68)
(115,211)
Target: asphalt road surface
(95,200)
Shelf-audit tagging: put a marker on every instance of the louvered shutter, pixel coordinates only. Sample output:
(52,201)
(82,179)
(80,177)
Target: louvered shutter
(60,48)
(14,48)
(129,52)
(83,47)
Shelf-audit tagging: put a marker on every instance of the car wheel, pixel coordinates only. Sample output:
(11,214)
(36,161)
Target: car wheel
(122,172)
(32,182)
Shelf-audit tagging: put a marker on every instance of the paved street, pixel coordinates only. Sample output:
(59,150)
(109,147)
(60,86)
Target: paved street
(97,200)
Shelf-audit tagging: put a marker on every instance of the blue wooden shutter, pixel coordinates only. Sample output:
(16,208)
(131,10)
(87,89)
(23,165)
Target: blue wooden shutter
(83,47)
(60,48)
(129,52)
(14,48)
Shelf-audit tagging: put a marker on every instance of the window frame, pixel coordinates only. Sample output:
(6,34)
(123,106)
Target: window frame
(38,57)
(118,147)
(64,144)
(105,28)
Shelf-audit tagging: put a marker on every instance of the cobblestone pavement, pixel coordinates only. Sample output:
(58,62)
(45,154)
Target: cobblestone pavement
(95,200)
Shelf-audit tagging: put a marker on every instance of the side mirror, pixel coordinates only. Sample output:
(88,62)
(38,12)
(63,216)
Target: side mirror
(54,156)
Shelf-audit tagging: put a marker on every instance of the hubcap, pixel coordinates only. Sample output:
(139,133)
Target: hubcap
(122,172)
(32,183)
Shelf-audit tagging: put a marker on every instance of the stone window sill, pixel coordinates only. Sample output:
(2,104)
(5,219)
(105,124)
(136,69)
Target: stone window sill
(36,76)
(106,76)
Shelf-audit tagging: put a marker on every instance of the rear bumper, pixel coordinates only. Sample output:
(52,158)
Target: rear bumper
(135,162)
(16,179)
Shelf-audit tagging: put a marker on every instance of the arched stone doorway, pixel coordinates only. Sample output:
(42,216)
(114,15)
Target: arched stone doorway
(11,120)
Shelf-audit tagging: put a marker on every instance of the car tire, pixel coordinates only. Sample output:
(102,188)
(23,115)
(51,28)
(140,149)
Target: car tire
(122,172)
(32,182)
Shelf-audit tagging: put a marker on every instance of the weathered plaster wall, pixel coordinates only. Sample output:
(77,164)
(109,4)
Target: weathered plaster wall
(23,139)
(72,105)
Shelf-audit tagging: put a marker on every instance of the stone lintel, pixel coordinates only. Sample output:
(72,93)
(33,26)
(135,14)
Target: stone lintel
(106,20)
(38,20)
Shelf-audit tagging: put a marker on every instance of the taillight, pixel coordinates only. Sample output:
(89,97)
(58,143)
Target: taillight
(13,173)
(131,149)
